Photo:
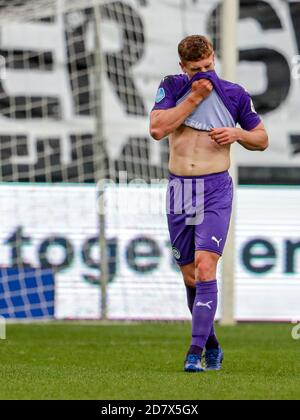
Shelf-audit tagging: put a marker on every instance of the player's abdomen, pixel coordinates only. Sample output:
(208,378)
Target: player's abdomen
(194,153)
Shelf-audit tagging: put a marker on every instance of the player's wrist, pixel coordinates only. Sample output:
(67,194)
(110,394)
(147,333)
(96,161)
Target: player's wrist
(239,134)
(194,99)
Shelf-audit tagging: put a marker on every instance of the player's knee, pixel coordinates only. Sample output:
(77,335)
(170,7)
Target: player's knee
(189,280)
(188,273)
(205,267)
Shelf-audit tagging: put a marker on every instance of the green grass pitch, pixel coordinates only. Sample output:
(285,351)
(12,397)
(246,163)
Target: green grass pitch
(75,361)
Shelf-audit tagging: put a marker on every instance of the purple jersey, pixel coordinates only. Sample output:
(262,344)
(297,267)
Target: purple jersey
(237,101)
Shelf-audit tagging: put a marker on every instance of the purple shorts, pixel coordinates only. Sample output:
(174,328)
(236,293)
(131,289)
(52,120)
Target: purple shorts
(199,211)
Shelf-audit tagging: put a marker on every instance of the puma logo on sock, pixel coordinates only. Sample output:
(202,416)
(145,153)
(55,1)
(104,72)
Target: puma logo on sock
(204,305)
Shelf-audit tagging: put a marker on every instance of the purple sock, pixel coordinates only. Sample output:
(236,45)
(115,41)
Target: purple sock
(204,312)
(212,341)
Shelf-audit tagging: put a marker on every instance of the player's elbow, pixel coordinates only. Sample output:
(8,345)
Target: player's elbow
(158,126)
(265,144)
(157,133)
(264,148)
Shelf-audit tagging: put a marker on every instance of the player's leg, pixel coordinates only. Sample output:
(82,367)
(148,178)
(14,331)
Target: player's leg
(183,250)
(210,239)
(204,311)
(182,238)
(189,277)
(206,300)
(190,274)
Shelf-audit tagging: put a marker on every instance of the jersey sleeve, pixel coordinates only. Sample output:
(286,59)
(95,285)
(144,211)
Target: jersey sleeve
(166,95)
(247,115)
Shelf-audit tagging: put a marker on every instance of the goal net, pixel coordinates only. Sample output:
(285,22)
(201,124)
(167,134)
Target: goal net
(78,79)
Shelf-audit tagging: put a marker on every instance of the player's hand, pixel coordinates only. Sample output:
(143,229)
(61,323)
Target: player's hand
(201,89)
(225,136)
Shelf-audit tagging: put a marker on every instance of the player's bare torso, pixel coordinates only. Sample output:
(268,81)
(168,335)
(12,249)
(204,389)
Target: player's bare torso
(201,104)
(194,153)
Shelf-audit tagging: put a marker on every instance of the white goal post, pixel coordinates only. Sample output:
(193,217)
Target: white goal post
(229,51)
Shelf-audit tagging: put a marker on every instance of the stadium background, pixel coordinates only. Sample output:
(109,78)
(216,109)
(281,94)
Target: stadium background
(48,204)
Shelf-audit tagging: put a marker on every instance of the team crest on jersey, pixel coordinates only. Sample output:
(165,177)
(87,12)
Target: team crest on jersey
(161,94)
(176,253)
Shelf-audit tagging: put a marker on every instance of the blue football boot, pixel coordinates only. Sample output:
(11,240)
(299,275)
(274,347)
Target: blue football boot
(193,364)
(214,360)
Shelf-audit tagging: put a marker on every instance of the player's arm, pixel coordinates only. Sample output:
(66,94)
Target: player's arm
(252,135)
(164,122)
(255,140)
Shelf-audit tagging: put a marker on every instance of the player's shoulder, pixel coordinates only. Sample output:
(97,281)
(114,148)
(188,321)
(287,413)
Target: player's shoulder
(175,81)
(168,91)
(234,89)
(176,77)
